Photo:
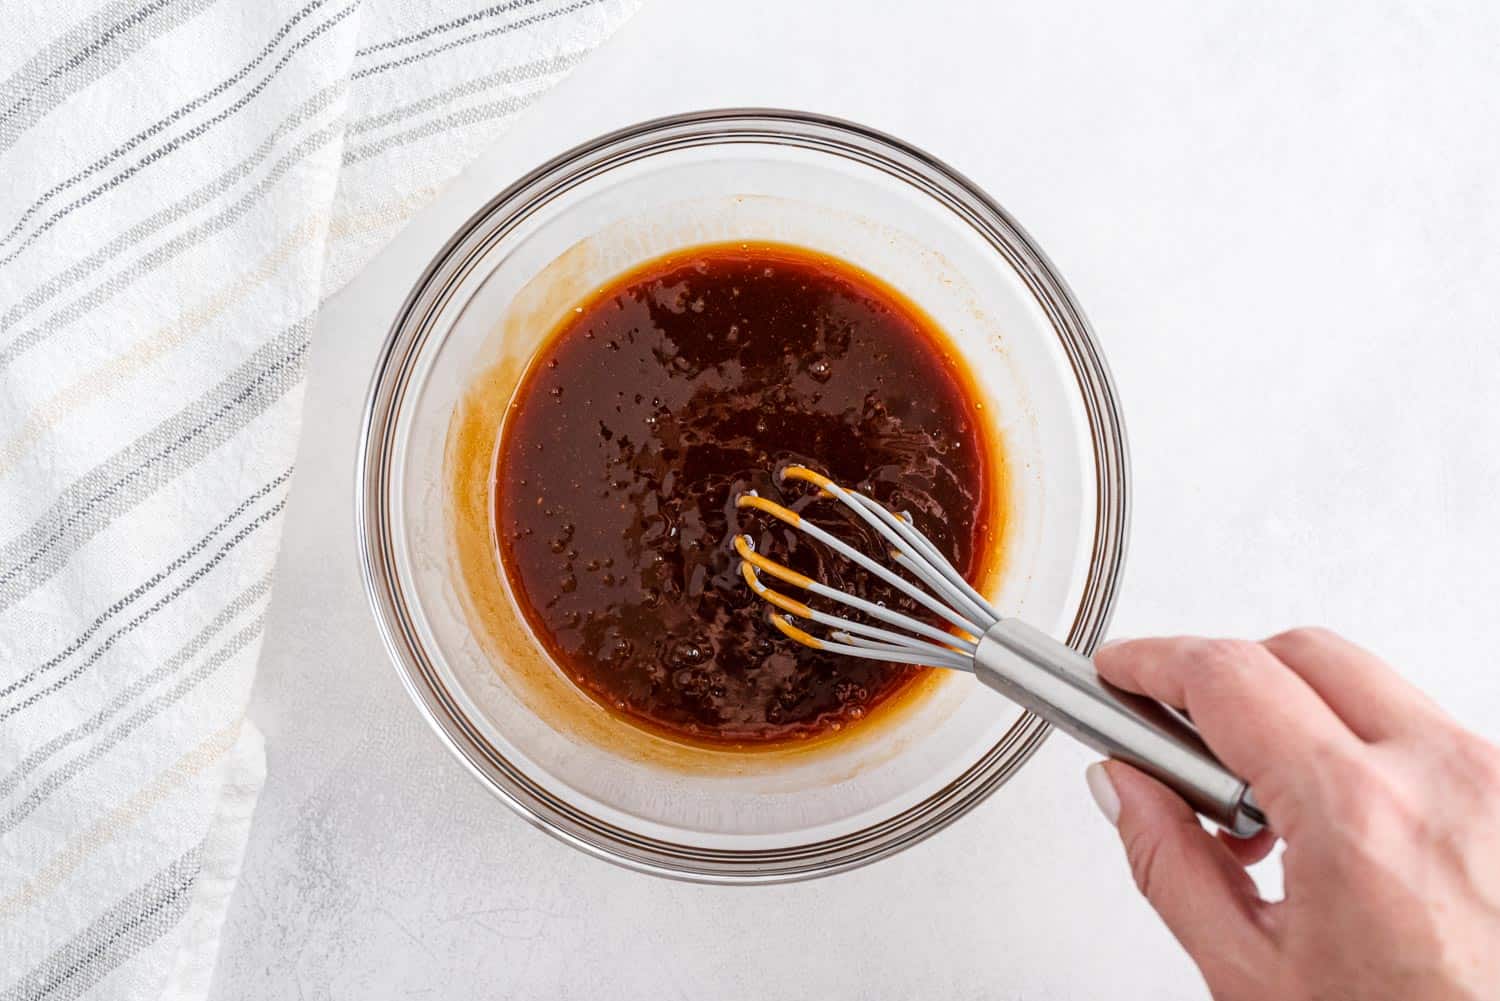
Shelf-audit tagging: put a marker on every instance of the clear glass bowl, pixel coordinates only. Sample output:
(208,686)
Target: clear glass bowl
(500,285)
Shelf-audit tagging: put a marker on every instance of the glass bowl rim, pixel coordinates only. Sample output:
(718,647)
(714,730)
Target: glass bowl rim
(404,345)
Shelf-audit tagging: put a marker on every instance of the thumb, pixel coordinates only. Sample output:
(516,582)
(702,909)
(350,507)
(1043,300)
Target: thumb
(1197,887)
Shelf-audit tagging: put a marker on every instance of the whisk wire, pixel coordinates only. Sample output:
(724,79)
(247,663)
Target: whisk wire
(958,603)
(897,655)
(853,555)
(803,611)
(958,588)
(944,579)
(881,651)
(954,587)
(745,547)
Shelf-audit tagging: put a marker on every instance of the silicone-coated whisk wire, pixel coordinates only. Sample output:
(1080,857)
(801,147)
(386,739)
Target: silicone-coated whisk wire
(951,597)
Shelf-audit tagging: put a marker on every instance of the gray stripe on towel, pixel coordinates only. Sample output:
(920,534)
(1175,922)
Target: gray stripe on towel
(129,926)
(438,29)
(242,601)
(156,458)
(160,603)
(458,119)
(525,22)
(205,195)
(145,586)
(160,153)
(56,780)
(169,250)
(89,50)
(539,69)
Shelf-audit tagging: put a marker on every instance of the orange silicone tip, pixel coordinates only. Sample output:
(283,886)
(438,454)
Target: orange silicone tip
(770,507)
(770,566)
(806,476)
(792,632)
(812,476)
(776,598)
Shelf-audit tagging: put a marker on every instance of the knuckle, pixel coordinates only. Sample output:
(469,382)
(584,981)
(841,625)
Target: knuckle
(1484,759)
(1478,766)
(1144,853)
(1374,810)
(1305,636)
(1364,811)
(1227,663)
(1227,652)
(1348,787)
(1341,762)
(1227,656)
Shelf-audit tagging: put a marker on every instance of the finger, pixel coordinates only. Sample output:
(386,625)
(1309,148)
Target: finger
(1373,700)
(1260,718)
(1200,891)
(1248,851)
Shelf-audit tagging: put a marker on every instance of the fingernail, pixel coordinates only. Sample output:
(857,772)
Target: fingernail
(1103,791)
(1107,644)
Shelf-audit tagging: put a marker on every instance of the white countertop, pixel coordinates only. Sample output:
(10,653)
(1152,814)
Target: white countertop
(1285,226)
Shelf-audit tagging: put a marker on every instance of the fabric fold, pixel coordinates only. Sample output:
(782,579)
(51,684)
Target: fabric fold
(186,181)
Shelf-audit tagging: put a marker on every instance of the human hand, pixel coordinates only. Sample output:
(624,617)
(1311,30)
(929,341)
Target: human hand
(1389,809)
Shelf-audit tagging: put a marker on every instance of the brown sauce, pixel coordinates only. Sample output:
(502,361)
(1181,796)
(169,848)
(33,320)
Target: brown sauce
(660,399)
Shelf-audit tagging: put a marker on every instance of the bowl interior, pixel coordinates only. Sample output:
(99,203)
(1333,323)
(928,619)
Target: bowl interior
(502,286)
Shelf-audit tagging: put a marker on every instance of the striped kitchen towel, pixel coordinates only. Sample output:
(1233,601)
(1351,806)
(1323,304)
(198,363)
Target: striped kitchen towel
(183,182)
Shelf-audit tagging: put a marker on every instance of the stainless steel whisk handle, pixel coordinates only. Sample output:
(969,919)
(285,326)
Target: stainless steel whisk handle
(1060,685)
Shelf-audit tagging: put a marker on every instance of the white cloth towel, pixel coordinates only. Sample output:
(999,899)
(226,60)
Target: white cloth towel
(184,181)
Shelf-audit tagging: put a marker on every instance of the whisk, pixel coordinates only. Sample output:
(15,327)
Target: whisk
(1022,663)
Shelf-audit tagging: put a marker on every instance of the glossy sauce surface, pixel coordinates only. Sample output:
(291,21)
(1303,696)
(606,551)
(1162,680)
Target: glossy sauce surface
(669,392)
